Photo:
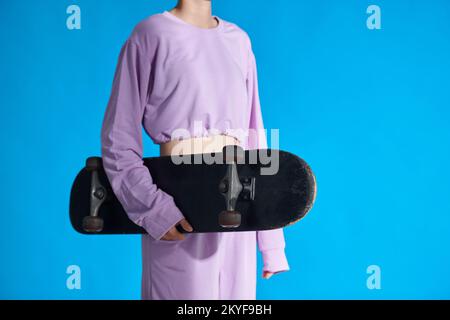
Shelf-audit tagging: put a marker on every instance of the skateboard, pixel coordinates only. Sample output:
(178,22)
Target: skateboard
(233,190)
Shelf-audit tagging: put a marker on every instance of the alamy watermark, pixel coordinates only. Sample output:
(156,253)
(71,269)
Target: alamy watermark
(373,22)
(197,140)
(374,280)
(73,21)
(73,281)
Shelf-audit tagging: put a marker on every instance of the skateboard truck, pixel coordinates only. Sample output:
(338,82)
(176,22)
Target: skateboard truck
(231,187)
(93,223)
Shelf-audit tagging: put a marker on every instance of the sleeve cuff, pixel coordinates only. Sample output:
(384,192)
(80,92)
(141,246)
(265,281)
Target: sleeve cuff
(275,260)
(165,219)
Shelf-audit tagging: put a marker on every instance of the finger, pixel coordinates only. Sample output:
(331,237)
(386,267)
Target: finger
(175,234)
(186,226)
(172,235)
(167,237)
(267,275)
(171,238)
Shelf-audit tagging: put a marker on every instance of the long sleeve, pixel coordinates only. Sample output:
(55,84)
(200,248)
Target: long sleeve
(122,149)
(271,243)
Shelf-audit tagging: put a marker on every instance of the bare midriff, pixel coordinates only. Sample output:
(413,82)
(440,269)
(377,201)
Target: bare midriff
(197,145)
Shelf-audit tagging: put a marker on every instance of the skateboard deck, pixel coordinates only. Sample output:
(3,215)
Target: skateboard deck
(244,191)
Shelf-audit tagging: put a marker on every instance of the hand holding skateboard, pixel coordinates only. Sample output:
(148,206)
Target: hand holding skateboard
(173,234)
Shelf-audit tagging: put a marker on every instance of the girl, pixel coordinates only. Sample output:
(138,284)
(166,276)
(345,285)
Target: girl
(183,70)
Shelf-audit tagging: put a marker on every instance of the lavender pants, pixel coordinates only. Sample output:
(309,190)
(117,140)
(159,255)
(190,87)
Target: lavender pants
(203,266)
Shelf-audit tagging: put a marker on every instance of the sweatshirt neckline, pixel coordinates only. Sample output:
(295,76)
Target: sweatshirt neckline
(173,17)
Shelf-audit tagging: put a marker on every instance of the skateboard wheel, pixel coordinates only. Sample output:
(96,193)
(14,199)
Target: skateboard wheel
(92,224)
(93,163)
(230,219)
(233,153)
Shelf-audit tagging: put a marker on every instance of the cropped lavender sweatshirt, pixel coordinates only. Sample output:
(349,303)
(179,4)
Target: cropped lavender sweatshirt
(173,75)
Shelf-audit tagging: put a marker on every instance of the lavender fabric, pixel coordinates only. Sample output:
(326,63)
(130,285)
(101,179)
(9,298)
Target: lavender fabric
(171,77)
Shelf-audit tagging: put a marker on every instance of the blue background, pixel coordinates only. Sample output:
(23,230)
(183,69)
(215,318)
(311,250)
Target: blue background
(368,109)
